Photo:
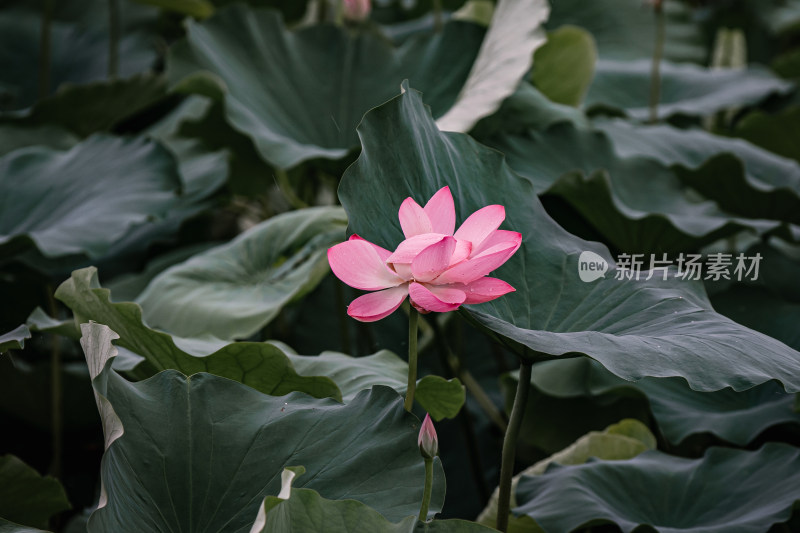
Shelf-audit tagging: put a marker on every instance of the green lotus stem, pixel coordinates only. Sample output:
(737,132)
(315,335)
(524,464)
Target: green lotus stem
(437,15)
(338,18)
(452,361)
(113,38)
(44,49)
(413,315)
(510,445)
(56,391)
(655,70)
(286,188)
(484,402)
(343,327)
(426,495)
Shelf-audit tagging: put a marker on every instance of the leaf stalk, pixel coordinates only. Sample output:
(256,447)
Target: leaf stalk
(45,49)
(510,445)
(113,38)
(426,495)
(413,316)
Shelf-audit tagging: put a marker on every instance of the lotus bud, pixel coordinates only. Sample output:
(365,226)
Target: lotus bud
(428,441)
(357,10)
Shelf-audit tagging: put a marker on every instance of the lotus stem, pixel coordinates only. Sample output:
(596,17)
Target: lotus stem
(510,445)
(451,361)
(343,326)
(658,52)
(44,49)
(56,391)
(282,179)
(426,495)
(338,18)
(113,38)
(437,15)
(413,316)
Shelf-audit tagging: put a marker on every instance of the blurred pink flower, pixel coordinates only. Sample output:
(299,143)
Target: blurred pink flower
(438,269)
(357,10)
(428,441)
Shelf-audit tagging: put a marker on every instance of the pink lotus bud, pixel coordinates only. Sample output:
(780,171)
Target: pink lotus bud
(357,10)
(428,441)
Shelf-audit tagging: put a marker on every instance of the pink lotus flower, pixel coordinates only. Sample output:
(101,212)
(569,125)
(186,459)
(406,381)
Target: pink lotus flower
(438,269)
(428,441)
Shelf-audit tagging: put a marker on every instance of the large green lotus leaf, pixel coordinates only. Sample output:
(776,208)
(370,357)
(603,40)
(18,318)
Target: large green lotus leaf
(737,417)
(527,109)
(251,176)
(202,172)
(189,109)
(305,511)
(626,30)
(623,440)
(26,497)
(14,339)
(762,311)
(774,132)
(780,17)
(353,374)
(261,366)
(669,494)
(787,65)
(769,304)
(203,169)
(85,199)
(15,135)
(196,8)
(93,13)
(234,290)
(127,287)
(638,205)
(209,450)
(300,94)
(664,217)
(440,397)
(97,106)
(505,57)
(564,66)
(685,89)
(11,527)
(78,55)
(766,186)
(635,328)
(779,278)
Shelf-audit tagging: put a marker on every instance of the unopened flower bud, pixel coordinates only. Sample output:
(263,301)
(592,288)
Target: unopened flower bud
(357,10)
(428,441)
